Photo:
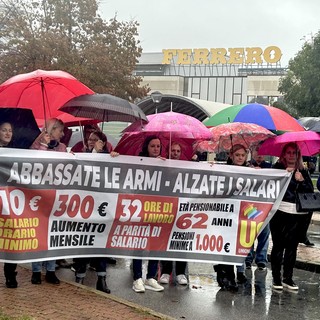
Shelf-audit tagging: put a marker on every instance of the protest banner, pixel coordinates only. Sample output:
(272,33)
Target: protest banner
(55,205)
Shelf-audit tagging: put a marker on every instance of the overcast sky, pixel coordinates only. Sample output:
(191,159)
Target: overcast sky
(191,24)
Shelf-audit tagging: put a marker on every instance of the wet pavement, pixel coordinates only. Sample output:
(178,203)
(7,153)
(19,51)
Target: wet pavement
(201,299)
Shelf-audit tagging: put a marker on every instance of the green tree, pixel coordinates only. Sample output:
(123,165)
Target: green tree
(70,35)
(301,85)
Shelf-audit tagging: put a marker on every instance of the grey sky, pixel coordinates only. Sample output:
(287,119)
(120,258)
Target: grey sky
(181,24)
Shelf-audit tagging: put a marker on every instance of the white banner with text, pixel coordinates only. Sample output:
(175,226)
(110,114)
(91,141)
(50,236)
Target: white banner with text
(61,205)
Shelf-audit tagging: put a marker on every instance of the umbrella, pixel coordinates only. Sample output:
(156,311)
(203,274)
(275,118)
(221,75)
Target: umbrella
(178,125)
(310,123)
(268,117)
(103,107)
(226,135)
(25,128)
(169,127)
(131,144)
(70,120)
(308,142)
(42,91)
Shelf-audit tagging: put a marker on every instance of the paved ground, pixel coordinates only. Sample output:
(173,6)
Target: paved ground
(72,301)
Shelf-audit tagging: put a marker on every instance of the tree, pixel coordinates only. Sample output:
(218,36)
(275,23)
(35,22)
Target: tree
(70,35)
(301,85)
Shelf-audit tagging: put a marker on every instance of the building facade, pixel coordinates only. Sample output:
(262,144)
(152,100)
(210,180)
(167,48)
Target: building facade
(231,76)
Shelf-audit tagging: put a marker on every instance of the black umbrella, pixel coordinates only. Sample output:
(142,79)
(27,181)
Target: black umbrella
(25,128)
(310,123)
(104,107)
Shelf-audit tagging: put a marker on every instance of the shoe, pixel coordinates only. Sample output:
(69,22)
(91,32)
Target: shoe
(221,277)
(52,278)
(79,280)
(277,284)
(36,278)
(308,243)
(288,283)
(153,285)
(232,286)
(181,279)
(138,286)
(11,281)
(241,278)
(165,278)
(63,263)
(248,265)
(261,266)
(102,284)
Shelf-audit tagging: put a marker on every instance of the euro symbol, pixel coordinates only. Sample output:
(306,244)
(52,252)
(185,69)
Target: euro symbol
(103,209)
(33,203)
(226,247)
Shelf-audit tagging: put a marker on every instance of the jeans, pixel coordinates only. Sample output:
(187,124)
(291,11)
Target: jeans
(240,268)
(137,269)
(100,265)
(262,247)
(50,265)
(167,267)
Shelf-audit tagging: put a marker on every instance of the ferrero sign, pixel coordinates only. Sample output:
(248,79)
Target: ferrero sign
(253,55)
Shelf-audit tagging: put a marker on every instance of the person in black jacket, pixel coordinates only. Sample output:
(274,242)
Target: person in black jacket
(286,224)
(225,273)
(96,143)
(6,134)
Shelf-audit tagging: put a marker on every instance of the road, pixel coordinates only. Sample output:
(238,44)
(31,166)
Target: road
(203,299)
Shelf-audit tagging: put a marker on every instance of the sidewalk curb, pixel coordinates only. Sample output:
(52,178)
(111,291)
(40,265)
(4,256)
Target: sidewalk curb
(114,298)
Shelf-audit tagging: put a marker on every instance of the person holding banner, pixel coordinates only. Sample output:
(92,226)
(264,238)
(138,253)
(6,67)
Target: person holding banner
(151,148)
(225,273)
(167,266)
(10,273)
(260,256)
(82,145)
(286,223)
(96,143)
(49,140)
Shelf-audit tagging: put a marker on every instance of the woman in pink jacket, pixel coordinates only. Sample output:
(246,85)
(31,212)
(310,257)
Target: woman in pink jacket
(49,140)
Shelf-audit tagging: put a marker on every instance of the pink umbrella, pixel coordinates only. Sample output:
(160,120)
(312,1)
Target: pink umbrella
(308,142)
(42,91)
(226,135)
(169,127)
(172,123)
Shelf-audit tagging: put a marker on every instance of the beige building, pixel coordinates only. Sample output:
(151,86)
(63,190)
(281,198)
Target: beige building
(233,76)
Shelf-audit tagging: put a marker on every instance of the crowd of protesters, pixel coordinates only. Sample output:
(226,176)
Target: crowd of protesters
(285,226)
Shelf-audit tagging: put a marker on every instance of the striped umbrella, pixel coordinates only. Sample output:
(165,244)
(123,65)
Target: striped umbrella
(271,118)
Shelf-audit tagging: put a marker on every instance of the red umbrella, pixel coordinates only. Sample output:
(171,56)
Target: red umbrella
(42,91)
(224,136)
(308,142)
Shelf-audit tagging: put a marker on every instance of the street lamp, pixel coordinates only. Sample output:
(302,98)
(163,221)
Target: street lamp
(156,97)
